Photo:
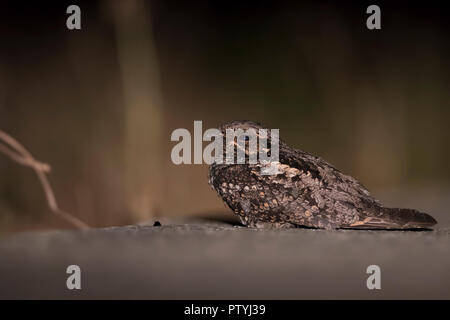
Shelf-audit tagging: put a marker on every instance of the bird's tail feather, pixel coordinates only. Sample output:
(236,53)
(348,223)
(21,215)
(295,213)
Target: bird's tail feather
(396,218)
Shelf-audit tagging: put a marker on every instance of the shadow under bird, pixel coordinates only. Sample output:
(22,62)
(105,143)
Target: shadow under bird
(307,192)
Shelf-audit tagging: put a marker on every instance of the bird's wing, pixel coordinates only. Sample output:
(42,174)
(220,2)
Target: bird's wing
(326,192)
(327,174)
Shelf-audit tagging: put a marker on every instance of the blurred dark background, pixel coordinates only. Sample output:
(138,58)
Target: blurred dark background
(99,104)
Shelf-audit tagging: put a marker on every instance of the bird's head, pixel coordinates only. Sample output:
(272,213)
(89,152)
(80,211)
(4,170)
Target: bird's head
(246,137)
(242,124)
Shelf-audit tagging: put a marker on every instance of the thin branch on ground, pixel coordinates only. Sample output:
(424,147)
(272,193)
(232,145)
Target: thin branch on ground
(14,150)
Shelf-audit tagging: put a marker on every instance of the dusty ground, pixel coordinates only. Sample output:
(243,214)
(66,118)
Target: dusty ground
(208,260)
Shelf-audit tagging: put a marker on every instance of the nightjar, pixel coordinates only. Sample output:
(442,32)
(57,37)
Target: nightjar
(307,192)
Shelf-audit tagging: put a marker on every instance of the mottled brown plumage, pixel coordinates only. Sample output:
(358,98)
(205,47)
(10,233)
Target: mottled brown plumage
(308,192)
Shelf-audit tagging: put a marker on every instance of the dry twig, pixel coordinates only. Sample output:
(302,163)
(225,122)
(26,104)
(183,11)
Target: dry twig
(14,150)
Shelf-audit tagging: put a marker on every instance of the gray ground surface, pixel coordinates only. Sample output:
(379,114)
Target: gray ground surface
(209,260)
